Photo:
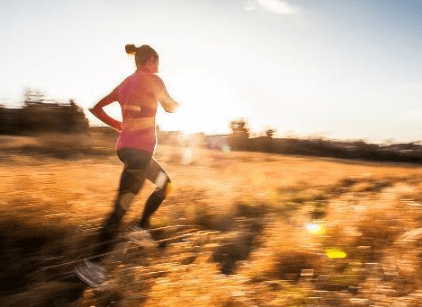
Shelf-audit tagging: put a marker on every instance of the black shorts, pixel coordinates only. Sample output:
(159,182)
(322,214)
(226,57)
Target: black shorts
(140,165)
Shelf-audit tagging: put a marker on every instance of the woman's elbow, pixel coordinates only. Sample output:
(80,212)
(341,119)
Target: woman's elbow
(171,108)
(96,110)
(93,110)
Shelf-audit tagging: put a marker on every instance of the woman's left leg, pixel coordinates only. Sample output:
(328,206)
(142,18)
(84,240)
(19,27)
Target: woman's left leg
(131,181)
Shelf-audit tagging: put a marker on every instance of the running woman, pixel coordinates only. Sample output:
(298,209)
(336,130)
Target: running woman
(138,96)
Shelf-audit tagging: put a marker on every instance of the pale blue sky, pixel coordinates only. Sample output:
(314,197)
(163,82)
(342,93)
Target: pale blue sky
(344,68)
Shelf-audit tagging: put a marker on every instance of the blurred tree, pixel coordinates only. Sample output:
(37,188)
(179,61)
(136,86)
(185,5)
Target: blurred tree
(269,133)
(268,140)
(40,114)
(33,97)
(73,118)
(239,128)
(3,119)
(238,140)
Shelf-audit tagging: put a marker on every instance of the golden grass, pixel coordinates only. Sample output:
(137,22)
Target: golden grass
(246,214)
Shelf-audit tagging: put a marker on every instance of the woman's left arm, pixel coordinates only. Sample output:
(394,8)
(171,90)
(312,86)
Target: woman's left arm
(98,111)
(168,104)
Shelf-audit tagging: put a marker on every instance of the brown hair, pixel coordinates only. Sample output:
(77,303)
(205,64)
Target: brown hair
(142,54)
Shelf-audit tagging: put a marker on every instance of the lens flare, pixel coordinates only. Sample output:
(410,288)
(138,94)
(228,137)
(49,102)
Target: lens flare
(187,156)
(315,229)
(226,148)
(335,253)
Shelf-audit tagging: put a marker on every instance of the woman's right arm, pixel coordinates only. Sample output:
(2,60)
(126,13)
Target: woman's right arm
(98,111)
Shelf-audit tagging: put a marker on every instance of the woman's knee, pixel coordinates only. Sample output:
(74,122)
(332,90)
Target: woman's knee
(163,189)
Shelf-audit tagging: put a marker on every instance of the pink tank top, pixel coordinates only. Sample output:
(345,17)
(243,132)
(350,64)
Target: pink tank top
(139,106)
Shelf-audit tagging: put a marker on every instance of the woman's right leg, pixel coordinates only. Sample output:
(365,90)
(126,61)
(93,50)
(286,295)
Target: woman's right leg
(131,181)
(157,175)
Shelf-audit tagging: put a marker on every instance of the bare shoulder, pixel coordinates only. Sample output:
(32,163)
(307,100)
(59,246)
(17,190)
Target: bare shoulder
(157,80)
(157,83)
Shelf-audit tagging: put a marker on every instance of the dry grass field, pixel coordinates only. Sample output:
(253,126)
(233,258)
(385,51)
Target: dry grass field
(238,230)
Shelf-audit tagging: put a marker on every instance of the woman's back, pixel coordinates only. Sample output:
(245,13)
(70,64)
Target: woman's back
(138,99)
(138,89)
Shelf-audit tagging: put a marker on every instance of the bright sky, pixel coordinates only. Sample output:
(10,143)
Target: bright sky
(342,69)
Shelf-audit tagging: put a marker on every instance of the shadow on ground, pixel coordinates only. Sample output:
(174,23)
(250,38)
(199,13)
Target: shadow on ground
(31,267)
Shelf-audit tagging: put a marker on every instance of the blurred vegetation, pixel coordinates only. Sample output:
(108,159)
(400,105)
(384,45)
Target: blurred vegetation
(40,114)
(240,139)
(258,230)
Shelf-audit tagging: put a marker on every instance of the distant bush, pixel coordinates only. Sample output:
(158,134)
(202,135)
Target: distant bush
(39,114)
(240,140)
(410,153)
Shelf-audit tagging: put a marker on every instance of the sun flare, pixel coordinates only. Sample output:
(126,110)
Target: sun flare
(206,105)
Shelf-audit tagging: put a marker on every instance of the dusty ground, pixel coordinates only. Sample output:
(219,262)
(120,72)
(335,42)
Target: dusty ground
(254,230)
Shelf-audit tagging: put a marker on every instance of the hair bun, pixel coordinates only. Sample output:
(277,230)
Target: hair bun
(130,49)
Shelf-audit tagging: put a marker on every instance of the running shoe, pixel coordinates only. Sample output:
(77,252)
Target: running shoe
(90,273)
(140,236)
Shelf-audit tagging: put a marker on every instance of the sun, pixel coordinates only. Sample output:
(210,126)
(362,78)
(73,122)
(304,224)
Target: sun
(206,105)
